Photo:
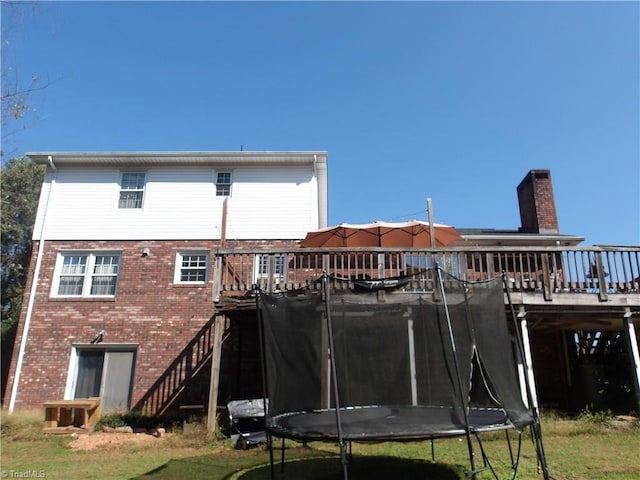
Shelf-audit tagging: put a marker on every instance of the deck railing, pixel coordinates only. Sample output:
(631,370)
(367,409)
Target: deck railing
(592,270)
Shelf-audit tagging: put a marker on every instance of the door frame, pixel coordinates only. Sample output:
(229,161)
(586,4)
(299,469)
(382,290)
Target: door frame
(74,357)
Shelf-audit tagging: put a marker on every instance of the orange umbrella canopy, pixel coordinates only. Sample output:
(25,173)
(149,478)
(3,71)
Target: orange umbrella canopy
(382,234)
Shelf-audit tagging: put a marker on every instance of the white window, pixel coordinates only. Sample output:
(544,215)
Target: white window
(419,262)
(264,263)
(191,267)
(86,274)
(223,184)
(131,190)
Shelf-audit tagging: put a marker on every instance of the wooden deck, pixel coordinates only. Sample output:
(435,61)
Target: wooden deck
(573,301)
(576,285)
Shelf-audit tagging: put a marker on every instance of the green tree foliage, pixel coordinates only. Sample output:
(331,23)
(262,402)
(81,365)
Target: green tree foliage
(21,180)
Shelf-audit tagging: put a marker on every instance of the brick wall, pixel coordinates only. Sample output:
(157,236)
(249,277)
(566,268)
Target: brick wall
(537,203)
(149,310)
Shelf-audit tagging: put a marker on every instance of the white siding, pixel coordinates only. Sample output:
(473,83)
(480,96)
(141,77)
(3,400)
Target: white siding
(268,202)
(272,203)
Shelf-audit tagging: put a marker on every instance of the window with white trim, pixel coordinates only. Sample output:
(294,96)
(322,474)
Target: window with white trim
(263,263)
(223,184)
(414,263)
(86,274)
(131,190)
(191,267)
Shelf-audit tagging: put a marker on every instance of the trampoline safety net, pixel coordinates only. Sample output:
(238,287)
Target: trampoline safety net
(408,364)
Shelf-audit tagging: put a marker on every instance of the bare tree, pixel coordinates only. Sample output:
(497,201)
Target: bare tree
(16,94)
(15,98)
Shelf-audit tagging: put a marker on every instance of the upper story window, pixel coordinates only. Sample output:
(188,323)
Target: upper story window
(223,184)
(86,274)
(191,267)
(131,190)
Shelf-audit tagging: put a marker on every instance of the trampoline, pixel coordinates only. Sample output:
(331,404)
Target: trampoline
(389,364)
(382,423)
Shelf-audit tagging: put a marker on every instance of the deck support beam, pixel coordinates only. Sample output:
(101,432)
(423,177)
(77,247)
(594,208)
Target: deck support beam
(634,355)
(528,361)
(214,383)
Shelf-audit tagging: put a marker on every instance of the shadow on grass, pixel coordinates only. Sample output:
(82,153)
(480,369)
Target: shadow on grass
(210,467)
(360,468)
(318,468)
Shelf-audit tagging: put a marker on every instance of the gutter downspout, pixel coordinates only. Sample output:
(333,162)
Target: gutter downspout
(320,167)
(32,295)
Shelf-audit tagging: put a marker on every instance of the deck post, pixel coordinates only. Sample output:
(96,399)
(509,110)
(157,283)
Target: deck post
(632,343)
(217,269)
(601,277)
(528,360)
(216,355)
(217,278)
(547,281)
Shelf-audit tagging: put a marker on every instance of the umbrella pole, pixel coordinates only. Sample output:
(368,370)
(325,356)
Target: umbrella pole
(432,230)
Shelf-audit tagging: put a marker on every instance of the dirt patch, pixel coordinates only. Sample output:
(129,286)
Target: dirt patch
(624,422)
(97,440)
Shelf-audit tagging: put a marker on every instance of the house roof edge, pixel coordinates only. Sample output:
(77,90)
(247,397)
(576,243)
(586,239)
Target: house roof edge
(179,157)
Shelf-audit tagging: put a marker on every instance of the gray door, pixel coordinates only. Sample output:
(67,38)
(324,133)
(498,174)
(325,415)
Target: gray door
(116,380)
(89,377)
(107,374)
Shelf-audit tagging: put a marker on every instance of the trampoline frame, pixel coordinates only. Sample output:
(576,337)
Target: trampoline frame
(400,416)
(469,430)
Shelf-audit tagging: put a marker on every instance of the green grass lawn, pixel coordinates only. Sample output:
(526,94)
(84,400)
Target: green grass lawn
(576,450)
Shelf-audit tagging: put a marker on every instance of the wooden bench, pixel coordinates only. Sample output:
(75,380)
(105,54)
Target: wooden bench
(59,414)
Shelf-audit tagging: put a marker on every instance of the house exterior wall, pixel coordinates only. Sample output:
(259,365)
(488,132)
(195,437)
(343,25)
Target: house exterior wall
(274,202)
(275,199)
(149,311)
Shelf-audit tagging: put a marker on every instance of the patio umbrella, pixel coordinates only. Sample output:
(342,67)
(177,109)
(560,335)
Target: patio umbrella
(381,234)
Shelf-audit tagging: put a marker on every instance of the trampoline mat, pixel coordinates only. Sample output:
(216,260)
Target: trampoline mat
(386,423)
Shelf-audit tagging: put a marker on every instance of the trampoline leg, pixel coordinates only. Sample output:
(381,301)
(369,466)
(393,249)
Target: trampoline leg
(271,465)
(536,432)
(485,459)
(345,462)
(282,458)
(472,456)
(433,451)
(513,463)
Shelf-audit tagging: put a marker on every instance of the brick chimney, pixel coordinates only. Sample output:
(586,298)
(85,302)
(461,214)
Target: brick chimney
(537,205)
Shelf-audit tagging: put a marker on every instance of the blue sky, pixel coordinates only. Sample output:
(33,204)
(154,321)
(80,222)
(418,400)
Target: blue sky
(455,101)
